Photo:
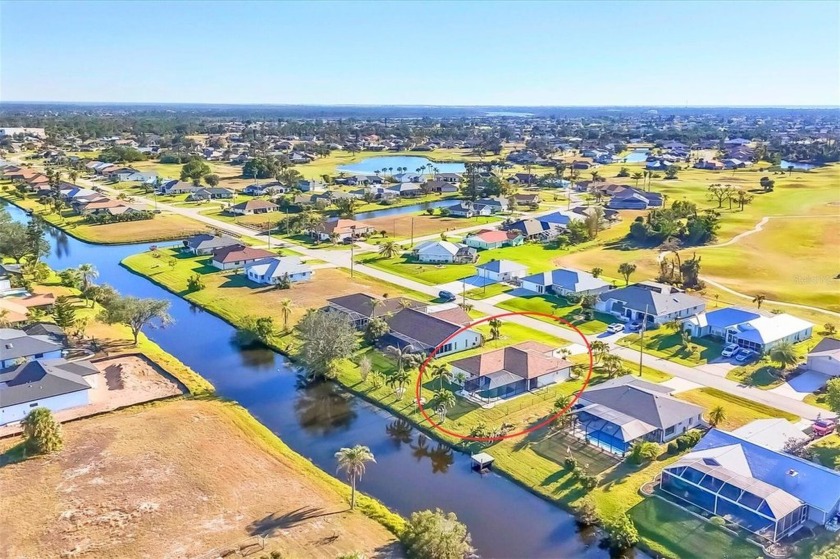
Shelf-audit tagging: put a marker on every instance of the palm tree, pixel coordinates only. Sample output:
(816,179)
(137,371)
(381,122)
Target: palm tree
(400,353)
(673,325)
(389,249)
(758,299)
(599,350)
(637,177)
(286,306)
(352,461)
(87,272)
(441,372)
(784,354)
(495,329)
(445,401)
(685,339)
(717,416)
(612,365)
(626,269)
(398,381)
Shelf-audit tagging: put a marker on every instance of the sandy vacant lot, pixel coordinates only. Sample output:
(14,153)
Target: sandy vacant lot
(174,479)
(400,225)
(122,381)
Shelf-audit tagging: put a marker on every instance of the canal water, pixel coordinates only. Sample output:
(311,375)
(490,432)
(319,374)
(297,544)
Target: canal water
(401,210)
(411,471)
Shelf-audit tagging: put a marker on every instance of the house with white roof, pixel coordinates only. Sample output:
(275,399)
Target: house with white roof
(273,270)
(565,282)
(765,491)
(501,270)
(749,329)
(773,433)
(825,357)
(444,252)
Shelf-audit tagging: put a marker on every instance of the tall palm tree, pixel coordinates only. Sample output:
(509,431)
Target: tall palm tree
(717,415)
(286,306)
(613,365)
(599,350)
(400,353)
(389,249)
(441,373)
(758,299)
(398,381)
(495,329)
(637,177)
(353,461)
(88,273)
(445,401)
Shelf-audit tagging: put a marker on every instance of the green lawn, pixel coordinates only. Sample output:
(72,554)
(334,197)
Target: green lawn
(827,450)
(561,307)
(739,411)
(674,532)
(667,345)
(488,291)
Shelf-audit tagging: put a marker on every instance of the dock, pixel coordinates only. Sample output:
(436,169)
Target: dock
(481,461)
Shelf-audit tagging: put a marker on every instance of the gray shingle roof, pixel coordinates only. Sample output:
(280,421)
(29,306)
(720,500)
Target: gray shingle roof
(426,329)
(205,241)
(15,344)
(362,304)
(43,378)
(658,299)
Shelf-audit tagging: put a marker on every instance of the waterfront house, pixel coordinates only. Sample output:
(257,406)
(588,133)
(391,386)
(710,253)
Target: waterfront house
(273,270)
(617,413)
(253,207)
(406,189)
(16,346)
(493,238)
(501,270)
(510,371)
(205,243)
(55,384)
(237,256)
(651,302)
(360,308)
(421,332)
(469,209)
(825,357)
(748,328)
(765,491)
(444,252)
(565,282)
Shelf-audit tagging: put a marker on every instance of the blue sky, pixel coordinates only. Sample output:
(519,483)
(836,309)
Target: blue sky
(470,53)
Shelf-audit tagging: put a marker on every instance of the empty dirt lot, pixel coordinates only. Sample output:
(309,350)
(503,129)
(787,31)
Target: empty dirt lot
(173,479)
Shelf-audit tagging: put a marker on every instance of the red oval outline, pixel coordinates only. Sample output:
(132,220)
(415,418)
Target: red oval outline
(550,419)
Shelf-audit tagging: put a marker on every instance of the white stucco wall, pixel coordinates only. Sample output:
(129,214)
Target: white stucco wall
(17,412)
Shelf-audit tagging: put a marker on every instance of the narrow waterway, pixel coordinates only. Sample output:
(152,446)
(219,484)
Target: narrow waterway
(411,472)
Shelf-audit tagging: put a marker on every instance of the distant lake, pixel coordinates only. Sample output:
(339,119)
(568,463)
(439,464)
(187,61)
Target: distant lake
(372,164)
(636,156)
(804,166)
(508,113)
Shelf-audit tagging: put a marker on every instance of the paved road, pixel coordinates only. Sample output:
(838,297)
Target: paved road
(342,259)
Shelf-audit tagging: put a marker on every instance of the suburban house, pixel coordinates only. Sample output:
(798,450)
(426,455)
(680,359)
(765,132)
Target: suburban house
(406,189)
(469,209)
(565,282)
(494,238)
(16,346)
(444,252)
(277,268)
(617,413)
(510,371)
(654,303)
(237,256)
(765,491)
(709,164)
(452,178)
(527,199)
(422,332)
(55,384)
(210,194)
(360,308)
(501,270)
(48,329)
(253,207)
(441,187)
(311,186)
(342,228)
(205,243)
(773,433)
(825,357)
(747,328)
(633,199)
(174,187)
(608,215)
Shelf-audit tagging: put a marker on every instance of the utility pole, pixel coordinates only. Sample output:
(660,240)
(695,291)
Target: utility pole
(642,340)
(352,248)
(463,294)
(412,232)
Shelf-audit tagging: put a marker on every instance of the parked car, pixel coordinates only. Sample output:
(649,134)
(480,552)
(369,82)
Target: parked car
(615,328)
(744,355)
(730,350)
(634,326)
(447,296)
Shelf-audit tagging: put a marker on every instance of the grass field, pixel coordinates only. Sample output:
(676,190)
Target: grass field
(136,483)
(163,227)
(558,306)
(670,530)
(666,344)
(487,291)
(827,450)
(739,411)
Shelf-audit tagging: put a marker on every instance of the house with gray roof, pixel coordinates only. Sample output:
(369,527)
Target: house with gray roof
(825,357)
(565,282)
(272,271)
(501,270)
(764,491)
(55,384)
(360,308)
(16,347)
(617,413)
(651,302)
(420,331)
(205,243)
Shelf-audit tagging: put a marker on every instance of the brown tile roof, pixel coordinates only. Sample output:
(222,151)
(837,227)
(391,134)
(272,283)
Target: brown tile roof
(239,253)
(455,315)
(526,360)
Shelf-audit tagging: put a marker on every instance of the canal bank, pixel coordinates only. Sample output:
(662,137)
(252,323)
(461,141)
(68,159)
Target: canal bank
(412,471)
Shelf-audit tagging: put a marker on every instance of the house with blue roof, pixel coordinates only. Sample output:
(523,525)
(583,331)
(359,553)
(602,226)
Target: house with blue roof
(565,282)
(765,491)
(749,329)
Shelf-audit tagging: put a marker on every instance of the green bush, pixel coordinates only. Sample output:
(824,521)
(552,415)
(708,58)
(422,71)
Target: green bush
(673,448)
(570,464)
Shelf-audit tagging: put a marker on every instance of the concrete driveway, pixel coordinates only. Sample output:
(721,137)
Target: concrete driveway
(465,284)
(802,385)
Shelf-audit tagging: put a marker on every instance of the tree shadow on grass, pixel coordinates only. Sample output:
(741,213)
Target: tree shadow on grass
(272,524)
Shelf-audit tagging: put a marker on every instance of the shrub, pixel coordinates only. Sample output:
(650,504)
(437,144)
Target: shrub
(588,482)
(673,447)
(570,463)
(587,513)
(195,283)
(622,532)
(42,433)
(718,521)
(436,535)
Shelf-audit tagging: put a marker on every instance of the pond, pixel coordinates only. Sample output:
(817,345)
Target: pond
(636,156)
(370,165)
(411,472)
(797,165)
